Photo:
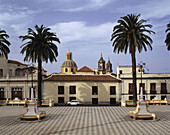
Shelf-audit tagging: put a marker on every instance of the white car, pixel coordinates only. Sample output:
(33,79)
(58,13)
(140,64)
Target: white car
(73,102)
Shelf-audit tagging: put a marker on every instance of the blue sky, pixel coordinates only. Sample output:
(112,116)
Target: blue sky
(85,27)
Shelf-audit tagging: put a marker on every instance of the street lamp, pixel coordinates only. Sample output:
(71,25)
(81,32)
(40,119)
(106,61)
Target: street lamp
(141,69)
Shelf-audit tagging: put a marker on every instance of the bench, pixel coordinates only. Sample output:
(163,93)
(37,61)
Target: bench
(48,102)
(3,102)
(16,102)
(160,102)
(124,103)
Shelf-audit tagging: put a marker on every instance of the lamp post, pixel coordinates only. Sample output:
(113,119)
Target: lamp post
(141,64)
(32,110)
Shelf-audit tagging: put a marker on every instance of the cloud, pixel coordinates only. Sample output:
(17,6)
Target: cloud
(149,9)
(80,31)
(78,5)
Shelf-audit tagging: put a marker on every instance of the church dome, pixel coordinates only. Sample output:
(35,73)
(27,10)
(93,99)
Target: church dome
(69,63)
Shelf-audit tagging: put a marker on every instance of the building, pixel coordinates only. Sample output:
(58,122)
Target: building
(88,89)
(89,86)
(16,79)
(154,84)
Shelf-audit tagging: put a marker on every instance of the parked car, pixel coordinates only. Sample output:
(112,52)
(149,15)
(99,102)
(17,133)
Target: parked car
(73,102)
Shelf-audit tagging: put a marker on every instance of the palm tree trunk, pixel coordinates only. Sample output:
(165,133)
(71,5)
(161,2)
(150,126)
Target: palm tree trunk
(134,75)
(39,81)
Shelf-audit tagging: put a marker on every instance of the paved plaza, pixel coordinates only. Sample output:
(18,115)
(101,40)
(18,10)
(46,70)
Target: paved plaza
(84,120)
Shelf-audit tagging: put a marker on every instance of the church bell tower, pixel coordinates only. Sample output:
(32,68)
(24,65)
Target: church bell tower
(101,66)
(109,67)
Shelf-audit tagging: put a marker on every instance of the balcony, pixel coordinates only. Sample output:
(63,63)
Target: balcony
(153,92)
(164,91)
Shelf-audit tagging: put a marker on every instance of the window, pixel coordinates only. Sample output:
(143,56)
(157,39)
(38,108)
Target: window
(71,69)
(72,89)
(112,90)
(121,71)
(60,89)
(94,90)
(130,88)
(1,72)
(66,70)
(153,86)
(163,88)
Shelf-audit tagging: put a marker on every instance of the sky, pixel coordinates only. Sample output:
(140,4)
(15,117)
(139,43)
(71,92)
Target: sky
(84,27)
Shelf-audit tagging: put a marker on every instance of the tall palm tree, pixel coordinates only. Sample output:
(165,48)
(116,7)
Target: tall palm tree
(4,43)
(130,35)
(38,48)
(167,40)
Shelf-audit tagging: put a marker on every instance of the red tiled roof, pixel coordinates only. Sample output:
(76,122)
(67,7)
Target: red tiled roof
(16,62)
(91,78)
(85,69)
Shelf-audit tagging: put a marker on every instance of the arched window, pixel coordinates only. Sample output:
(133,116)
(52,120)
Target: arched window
(71,69)
(66,70)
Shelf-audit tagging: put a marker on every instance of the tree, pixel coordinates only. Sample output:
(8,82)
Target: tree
(129,34)
(4,43)
(38,48)
(167,40)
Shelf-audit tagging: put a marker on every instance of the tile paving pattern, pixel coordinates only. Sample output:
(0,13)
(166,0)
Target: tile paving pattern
(84,120)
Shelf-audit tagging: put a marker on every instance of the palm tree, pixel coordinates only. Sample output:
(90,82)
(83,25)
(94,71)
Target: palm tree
(38,48)
(4,43)
(167,40)
(130,35)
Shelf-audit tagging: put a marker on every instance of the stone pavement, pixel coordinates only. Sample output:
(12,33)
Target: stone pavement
(84,120)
